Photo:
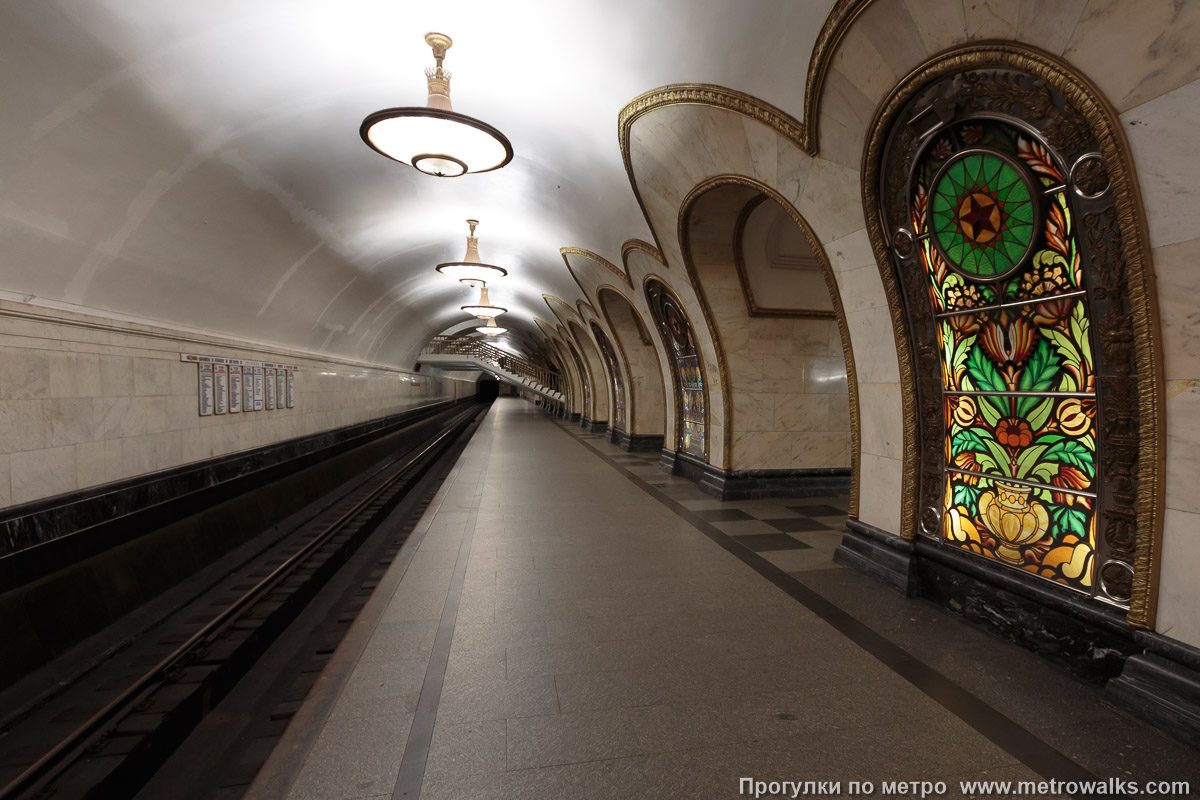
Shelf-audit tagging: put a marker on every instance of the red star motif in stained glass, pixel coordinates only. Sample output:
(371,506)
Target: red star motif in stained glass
(979,217)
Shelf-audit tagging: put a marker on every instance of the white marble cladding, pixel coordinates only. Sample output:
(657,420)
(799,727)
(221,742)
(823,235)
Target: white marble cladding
(82,405)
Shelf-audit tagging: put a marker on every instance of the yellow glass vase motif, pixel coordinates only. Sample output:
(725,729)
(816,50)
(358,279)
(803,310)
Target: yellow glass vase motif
(1013,520)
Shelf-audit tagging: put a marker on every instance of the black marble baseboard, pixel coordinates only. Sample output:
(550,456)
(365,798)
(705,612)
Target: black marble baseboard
(757,484)
(637,442)
(1089,638)
(666,461)
(881,555)
(1162,692)
(46,535)
(574,416)
(611,435)
(595,425)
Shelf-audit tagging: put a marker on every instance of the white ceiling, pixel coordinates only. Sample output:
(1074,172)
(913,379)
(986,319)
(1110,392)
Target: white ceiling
(279,87)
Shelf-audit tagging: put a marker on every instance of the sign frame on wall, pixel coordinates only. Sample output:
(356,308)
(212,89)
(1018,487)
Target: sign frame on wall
(233,385)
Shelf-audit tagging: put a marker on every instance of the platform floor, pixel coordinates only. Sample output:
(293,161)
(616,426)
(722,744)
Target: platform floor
(569,622)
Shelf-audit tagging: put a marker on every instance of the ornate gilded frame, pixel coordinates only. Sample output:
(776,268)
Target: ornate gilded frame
(676,389)
(1143,315)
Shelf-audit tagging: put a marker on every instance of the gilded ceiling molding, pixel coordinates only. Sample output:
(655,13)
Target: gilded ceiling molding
(582,304)
(676,389)
(549,298)
(701,94)
(739,260)
(1105,125)
(838,314)
(604,262)
(638,246)
(837,23)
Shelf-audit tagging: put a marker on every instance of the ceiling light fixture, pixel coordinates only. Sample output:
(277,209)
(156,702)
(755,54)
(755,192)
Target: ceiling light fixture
(484,308)
(436,139)
(470,270)
(491,329)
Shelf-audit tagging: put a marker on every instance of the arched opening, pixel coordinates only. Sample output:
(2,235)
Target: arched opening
(617,420)
(596,417)
(646,414)
(689,442)
(771,300)
(1003,210)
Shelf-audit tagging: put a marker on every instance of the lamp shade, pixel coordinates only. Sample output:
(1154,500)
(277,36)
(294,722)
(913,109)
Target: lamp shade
(491,329)
(436,139)
(471,268)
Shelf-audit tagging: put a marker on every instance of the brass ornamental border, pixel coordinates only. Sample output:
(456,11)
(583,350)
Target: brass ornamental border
(676,389)
(604,262)
(1114,149)
(839,314)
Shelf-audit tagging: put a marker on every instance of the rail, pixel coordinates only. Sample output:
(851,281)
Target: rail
(482,351)
(68,750)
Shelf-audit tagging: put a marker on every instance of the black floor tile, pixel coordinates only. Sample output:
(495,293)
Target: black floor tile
(722,515)
(796,525)
(818,511)
(763,542)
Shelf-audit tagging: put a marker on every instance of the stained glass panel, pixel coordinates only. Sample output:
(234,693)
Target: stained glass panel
(681,344)
(618,385)
(996,237)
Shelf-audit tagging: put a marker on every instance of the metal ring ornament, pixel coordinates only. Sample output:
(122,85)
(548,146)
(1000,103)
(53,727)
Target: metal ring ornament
(904,243)
(1104,585)
(1087,158)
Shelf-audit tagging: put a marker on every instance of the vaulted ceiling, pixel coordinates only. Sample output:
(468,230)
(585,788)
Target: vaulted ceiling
(275,90)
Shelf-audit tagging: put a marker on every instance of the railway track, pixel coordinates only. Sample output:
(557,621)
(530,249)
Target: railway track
(105,735)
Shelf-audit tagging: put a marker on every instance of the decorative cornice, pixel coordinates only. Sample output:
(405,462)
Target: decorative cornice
(549,297)
(579,251)
(638,246)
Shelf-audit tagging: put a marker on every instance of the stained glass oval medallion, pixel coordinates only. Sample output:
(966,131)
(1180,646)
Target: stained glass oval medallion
(983,214)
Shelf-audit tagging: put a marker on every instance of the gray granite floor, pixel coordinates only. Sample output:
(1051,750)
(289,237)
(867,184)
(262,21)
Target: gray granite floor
(565,628)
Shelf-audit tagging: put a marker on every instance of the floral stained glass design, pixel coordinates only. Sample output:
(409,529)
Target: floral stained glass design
(681,346)
(996,236)
(614,370)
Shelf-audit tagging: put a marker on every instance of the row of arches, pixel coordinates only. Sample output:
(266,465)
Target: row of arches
(964,321)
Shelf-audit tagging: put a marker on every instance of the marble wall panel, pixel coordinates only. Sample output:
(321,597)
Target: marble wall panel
(762,449)
(78,411)
(861,63)
(1177,595)
(1179,307)
(939,24)
(874,345)
(1049,25)
(890,29)
(879,496)
(1183,445)
(1135,51)
(881,418)
(803,412)
(820,450)
(1162,136)
(753,411)
(850,252)
(40,473)
(991,19)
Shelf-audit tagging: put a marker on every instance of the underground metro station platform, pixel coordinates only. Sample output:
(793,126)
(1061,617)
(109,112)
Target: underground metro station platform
(600,400)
